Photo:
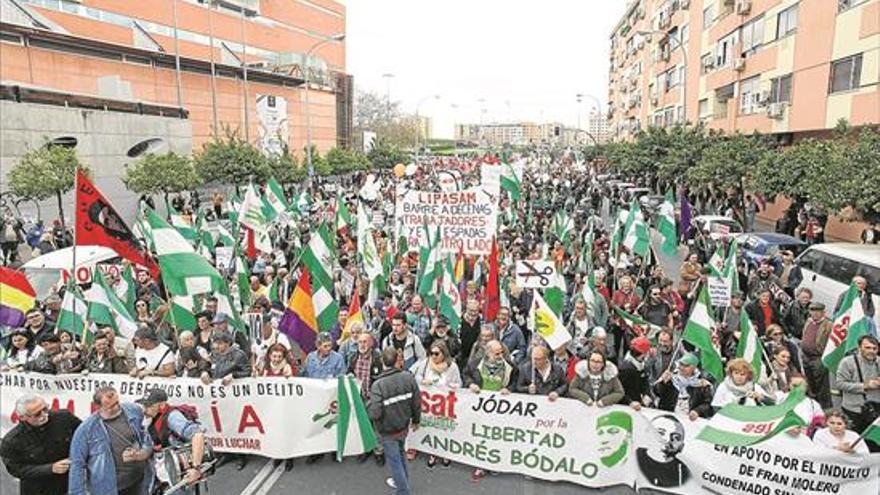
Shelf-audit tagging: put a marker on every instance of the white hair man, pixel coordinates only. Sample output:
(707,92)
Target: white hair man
(35,451)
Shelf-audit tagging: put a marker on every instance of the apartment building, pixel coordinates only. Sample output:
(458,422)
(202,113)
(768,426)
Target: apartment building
(790,68)
(520,134)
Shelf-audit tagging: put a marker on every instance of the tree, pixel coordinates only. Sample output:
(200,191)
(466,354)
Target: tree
(319,163)
(340,161)
(284,167)
(45,172)
(167,173)
(231,160)
(375,113)
(848,177)
(385,155)
(795,171)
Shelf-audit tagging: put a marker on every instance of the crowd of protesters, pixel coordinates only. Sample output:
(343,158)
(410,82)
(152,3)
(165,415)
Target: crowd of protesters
(608,361)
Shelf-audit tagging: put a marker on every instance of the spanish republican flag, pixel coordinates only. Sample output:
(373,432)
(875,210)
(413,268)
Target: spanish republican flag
(354,316)
(16,297)
(299,322)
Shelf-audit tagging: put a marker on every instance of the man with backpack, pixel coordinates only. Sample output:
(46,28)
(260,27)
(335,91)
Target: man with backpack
(175,426)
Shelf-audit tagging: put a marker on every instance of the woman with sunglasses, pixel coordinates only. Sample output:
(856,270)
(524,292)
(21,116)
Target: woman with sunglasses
(142,311)
(775,337)
(438,369)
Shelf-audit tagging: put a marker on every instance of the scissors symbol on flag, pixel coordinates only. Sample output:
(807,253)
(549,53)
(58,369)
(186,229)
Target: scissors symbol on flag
(532,271)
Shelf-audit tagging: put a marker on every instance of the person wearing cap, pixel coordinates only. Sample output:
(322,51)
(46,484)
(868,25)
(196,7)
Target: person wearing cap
(685,391)
(175,427)
(240,339)
(440,333)
(788,272)
(52,308)
(814,338)
(36,449)
(633,373)
(796,313)
(227,361)
(48,360)
(151,357)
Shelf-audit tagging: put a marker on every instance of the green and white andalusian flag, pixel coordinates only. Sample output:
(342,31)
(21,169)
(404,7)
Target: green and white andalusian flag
(850,323)
(638,324)
(74,313)
(252,215)
(225,237)
(206,246)
(303,202)
(511,182)
(360,431)
(735,425)
(343,216)
(636,237)
(275,198)
(184,272)
(106,309)
(698,332)
(716,262)
(242,279)
(430,268)
(320,259)
(182,314)
(366,245)
(749,346)
(450,298)
(666,225)
(872,432)
(183,224)
(562,227)
(554,294)
(126,289)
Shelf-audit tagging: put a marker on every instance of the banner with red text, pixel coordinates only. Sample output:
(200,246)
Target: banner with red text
(272,417)
(467,219)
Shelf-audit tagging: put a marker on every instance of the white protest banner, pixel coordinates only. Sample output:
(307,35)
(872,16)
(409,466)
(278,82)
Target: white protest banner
(450,180)
(535,274)
(783,465)
(562,440)
(347,282)
(566,440)
(273,417)
(224,256)
(378,219)
(719,291)
(467,219)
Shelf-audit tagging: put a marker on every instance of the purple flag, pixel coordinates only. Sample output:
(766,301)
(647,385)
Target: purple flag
(684,221)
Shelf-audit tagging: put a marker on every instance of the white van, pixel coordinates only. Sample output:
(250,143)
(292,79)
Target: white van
(828,270)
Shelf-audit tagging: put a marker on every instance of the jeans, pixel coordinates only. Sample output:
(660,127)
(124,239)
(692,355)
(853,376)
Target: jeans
(396,461)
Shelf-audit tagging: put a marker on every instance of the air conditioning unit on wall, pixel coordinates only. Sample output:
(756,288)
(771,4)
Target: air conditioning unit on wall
(743,7)
(739,64)
(776,110)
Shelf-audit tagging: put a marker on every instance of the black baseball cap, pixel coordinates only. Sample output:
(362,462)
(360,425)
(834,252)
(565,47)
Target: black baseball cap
(154,396)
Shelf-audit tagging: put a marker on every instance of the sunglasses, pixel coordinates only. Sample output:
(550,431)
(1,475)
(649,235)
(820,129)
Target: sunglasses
(37,414)
(436,353)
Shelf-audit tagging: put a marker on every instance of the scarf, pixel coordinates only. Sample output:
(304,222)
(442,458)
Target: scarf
(681,383)
(638,365)
(440,369)
(738,391)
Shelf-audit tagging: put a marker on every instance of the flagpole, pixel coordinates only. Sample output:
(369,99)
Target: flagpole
(861,437)
(75,222)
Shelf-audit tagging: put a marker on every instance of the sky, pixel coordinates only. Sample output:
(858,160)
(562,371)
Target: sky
(526,59)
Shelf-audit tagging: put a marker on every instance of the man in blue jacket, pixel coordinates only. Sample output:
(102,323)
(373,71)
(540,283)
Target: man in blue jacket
(110,449)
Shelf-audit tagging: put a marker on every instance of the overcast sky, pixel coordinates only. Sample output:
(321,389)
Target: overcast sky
(535,55)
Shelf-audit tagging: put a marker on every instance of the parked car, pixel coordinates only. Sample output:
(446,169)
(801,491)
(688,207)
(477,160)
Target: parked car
(760,245)
(636,192)
(719,226)
(828,270)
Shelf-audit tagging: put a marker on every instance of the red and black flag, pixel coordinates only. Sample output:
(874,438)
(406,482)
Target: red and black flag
(97,223)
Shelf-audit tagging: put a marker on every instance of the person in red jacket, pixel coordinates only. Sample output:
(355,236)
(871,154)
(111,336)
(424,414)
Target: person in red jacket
(566,360)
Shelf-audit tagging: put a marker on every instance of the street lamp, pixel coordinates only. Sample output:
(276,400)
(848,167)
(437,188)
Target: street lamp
(419,123)
(684,61)
(311,169)
(388,76)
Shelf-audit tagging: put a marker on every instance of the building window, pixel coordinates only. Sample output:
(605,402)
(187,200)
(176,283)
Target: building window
(703,109)
(707,62)
(750,95)
(722,95)
(847,4)
(846,74)
(786,22)
(669,116)
(724,49)
(753,36)
(685,35)
(780,89)
(708,16)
